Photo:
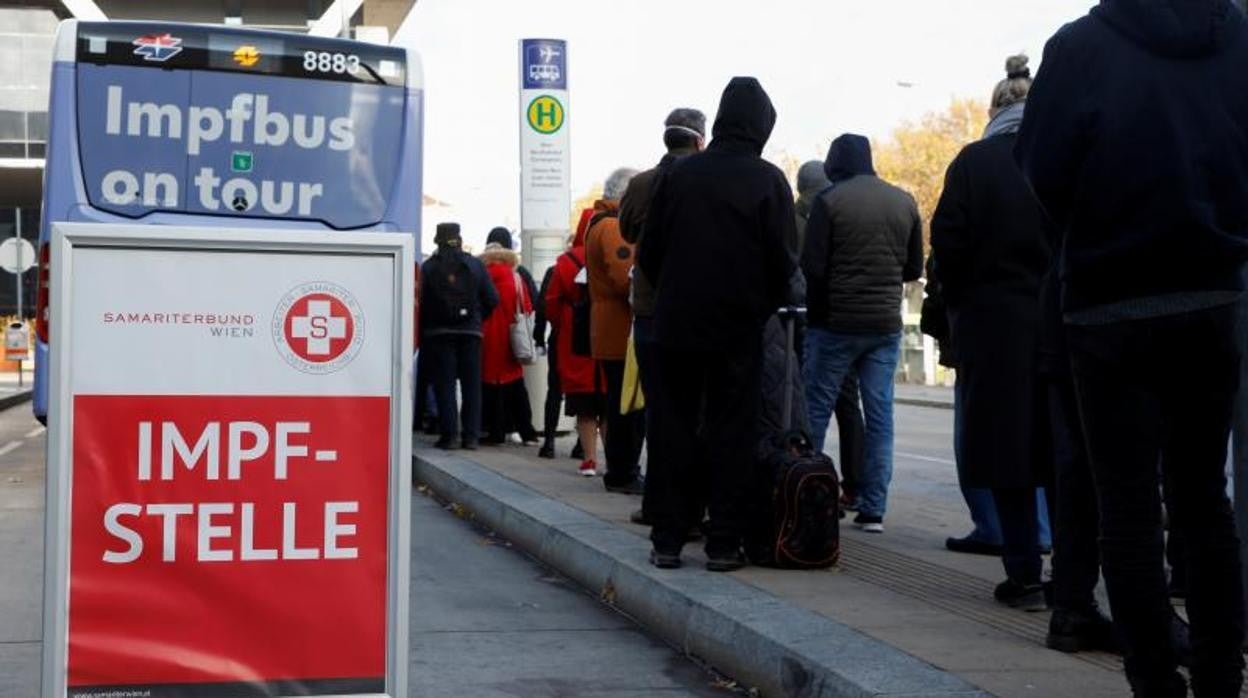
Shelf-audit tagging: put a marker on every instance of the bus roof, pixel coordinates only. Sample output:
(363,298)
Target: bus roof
(174,45)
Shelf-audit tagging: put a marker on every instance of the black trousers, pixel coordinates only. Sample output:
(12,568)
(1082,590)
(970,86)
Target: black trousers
(455,357)
(1020,532)
(1163,390)
(506,410)
(705,431)
(658,468)
(420,395)
(625,432)
(554,392)
(1076,554)
(852,432)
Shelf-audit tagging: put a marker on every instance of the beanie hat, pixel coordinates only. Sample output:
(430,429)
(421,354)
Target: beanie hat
(811,177)
(686,120)
(447,235)
(499,236)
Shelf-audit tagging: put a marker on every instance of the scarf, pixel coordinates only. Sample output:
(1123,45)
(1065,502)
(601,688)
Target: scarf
(1007,120)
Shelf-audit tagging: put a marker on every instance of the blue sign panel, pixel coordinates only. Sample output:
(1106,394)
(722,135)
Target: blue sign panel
(226,144)
(545,64)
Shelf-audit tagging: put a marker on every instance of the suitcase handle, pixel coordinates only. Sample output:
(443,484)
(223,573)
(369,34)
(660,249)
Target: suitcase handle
(789,315)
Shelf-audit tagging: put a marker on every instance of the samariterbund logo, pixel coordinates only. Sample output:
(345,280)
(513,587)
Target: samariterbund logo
(318,327)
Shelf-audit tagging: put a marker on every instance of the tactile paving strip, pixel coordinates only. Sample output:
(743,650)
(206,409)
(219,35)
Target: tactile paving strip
(961,594)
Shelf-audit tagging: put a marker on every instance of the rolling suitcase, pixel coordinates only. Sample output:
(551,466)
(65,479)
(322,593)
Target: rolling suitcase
(796,522)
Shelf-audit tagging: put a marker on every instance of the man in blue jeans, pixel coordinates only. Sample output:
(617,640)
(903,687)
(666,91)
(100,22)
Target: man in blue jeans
(864,239)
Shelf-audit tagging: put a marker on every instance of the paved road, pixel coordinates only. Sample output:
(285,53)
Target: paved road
(486,621)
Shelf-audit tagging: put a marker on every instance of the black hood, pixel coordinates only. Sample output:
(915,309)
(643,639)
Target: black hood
(1174,28)
(499,236)
(745,116)
(849,156)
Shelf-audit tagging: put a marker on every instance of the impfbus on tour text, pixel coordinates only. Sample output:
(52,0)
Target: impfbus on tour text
(208,125)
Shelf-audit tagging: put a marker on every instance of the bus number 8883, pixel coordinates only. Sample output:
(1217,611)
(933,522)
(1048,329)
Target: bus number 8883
(326,62)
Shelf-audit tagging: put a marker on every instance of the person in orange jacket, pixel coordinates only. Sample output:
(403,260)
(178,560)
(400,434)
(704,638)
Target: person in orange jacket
(609,261)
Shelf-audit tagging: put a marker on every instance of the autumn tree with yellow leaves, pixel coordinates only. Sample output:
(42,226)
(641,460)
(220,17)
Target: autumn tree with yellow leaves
(916,155)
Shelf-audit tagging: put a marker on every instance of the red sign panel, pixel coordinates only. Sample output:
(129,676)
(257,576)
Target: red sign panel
(212,529)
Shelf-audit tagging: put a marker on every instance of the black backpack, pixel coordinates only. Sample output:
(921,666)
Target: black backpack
(797,519)
(795,523)
(454,289)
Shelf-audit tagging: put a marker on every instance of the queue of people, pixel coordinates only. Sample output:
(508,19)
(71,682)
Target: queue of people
(1095,232)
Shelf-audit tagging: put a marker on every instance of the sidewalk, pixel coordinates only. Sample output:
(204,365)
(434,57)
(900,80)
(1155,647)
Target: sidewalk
(923,395)
(901,594)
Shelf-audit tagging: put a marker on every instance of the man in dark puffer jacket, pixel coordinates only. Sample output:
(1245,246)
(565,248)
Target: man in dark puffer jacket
(864,239)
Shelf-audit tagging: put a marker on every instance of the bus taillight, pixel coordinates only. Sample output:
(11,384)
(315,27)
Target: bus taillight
(42,318)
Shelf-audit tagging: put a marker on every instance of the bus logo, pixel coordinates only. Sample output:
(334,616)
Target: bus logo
(246,56)
(318,327)
(158,47)
(545,115)
(241,161)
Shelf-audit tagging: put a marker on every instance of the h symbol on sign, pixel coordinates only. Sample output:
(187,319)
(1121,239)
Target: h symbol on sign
(545,114)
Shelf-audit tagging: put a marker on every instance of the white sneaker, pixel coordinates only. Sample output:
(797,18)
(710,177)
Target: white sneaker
(869,524)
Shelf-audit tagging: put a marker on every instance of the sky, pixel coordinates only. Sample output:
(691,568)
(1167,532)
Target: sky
(830,66)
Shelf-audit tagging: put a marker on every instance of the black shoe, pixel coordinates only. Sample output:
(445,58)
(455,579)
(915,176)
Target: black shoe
(469,445)
(636,487)
(1024,597)
(725,562)
(578,451)
(494,440)
(665,561)
(639,517)
(432,428)
(1086,630)
(1171,686)
(970,546)
(445,444)
(547,451)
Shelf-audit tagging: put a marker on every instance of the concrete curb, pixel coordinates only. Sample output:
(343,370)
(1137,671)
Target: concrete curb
(15,399)
(756,638)
(919,402)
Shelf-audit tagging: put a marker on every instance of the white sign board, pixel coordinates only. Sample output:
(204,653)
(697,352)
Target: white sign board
(229,462)
(16,255)
(545,156)
(16,342)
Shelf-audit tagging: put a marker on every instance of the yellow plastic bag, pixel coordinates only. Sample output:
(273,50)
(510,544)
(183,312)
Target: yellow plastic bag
(632,399)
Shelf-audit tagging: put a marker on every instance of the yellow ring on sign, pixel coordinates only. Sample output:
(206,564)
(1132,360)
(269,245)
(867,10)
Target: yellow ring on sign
(545,114)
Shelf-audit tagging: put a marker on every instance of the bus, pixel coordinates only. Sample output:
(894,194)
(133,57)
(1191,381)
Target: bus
(155,123)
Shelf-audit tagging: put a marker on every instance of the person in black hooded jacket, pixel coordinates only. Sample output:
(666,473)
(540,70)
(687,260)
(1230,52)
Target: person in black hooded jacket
(1136,142)
(864,239)
(715,244)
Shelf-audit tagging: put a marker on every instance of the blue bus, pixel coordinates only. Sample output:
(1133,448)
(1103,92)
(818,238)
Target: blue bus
(179,124)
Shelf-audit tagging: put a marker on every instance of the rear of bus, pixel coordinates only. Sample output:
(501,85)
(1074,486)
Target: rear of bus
(195,125)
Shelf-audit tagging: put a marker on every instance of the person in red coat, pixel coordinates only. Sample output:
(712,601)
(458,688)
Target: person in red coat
(505,401)
(583,385)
